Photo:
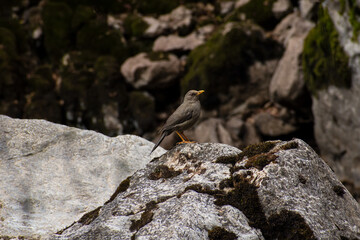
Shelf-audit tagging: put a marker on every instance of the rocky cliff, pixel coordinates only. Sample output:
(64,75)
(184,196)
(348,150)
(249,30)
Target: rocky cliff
(59,182)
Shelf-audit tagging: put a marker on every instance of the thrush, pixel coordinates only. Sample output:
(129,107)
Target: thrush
(184,117)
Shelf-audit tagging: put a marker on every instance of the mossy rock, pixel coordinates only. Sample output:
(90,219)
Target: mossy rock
(106,68)
(223,61)
(134,25)
(98,38)
(354,13)
(259,11)
(82,15)
(324,61)
(57,18)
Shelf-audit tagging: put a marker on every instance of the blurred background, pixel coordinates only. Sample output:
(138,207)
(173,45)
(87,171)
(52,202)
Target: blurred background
(271,69)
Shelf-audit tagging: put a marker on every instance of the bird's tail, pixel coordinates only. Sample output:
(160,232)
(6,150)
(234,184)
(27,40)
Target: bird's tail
(163,135)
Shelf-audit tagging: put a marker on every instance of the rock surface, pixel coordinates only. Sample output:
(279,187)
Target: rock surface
(50,174)
(337,110)
(272,190)
(287,83)
(141,71)
(177,43)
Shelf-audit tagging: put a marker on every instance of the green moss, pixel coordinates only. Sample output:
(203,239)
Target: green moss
(145,218)
(342,6)
(98,38)
(223,60)
(258,148)
(106,68)
(123,186)
(354,14)
(83,14)
(57,28)
(339,190)
(163,171)
(289,145)
(289,225)
(219,233)
(259,161)
(259,11)
(87,218)
(324,61)
(134,25)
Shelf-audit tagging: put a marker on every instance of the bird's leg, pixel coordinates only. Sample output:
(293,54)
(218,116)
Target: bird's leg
(184,139)
(187,140)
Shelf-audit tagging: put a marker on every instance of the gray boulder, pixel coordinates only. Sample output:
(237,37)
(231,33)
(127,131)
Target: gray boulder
(141,70)
(336,110)
(51,175)
(287,84)
(178,19)
(271,190)
(177,43)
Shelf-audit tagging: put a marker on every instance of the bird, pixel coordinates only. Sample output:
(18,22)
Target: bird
(184,117)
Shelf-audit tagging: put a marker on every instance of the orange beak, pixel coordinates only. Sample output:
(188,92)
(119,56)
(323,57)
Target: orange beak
(200,92)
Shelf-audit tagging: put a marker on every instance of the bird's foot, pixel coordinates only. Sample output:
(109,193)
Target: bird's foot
(185,142)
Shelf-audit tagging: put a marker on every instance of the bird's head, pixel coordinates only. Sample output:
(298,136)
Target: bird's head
(193,95)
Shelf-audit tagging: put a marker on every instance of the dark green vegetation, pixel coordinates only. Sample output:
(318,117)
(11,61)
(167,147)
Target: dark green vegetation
(259,11)
(354,13)
(163,171)
(223,60)
(324,61)
(219,233)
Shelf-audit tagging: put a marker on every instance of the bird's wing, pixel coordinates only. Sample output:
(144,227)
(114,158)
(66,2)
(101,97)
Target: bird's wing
(179,116)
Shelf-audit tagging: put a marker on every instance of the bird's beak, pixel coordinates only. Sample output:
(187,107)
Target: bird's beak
(200,92)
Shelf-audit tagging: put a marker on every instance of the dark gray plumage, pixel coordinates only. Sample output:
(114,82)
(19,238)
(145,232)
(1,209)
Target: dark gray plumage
(184,117)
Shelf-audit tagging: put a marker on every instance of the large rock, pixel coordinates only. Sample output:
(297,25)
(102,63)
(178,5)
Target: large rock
(141,70)
(50,174)
(177,43)
(180,19)
(272,190)
(336,109)
(287,84)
